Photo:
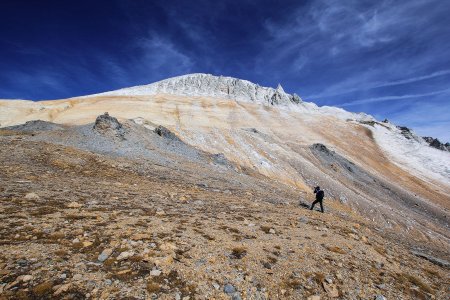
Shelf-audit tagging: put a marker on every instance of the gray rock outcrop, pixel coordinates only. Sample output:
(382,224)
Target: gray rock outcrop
(105,124)
(105,121)
(435,143)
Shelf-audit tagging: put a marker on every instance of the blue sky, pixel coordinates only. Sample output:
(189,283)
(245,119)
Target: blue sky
(390,59)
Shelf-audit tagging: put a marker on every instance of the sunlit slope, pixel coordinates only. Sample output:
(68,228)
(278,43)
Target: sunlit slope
(275,141)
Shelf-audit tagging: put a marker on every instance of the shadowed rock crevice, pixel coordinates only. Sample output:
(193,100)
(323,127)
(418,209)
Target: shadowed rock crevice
(166,133)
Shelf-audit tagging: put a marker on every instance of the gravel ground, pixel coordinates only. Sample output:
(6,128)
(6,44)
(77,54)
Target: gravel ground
(96,215)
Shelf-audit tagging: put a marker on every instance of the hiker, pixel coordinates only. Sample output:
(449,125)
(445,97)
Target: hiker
(319,197)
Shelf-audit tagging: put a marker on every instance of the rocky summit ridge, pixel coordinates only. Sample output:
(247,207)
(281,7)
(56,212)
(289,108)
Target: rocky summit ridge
(200,84)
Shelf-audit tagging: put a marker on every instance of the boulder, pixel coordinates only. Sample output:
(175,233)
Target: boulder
(105,122)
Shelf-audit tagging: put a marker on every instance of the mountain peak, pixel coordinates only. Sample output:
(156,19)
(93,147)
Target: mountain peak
(280,88)
(208,85)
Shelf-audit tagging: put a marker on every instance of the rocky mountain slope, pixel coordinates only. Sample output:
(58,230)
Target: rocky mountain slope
(212,173)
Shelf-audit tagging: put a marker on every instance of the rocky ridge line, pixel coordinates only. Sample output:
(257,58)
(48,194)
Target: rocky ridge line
(435,143)
(213,86)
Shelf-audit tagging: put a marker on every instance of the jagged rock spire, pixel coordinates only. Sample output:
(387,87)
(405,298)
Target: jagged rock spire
(280,88)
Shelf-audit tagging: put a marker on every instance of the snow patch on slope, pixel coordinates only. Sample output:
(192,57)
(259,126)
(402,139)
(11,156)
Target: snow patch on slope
(312,108)
(414,154)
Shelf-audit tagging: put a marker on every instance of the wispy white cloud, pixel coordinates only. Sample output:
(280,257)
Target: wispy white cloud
(427,118)
(435,129)
(393,98)
(326,32)
(378,84)
(154,57)
(161,54)
(28,83)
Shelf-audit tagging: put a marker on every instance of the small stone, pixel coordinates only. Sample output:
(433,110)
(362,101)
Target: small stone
(125,255)
(124,272)
(380,297)
(105,294)
(87,244)
(32,196)
(354,236)
(75,241)
(331,289)
(236,296)
(108,281)
(216,285)
(63,276)
(22,262)
(177,296)
(160,212)
(27,278)
(303,220)
(272,231)
(62,289)
(229,289)
(77,277)
(139,236)
(343,199)
(155,272)
(379,265)
(168,247)
(105,254)
(74,204)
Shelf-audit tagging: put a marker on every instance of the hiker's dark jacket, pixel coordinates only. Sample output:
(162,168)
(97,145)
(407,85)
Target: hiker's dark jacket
(319,195)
